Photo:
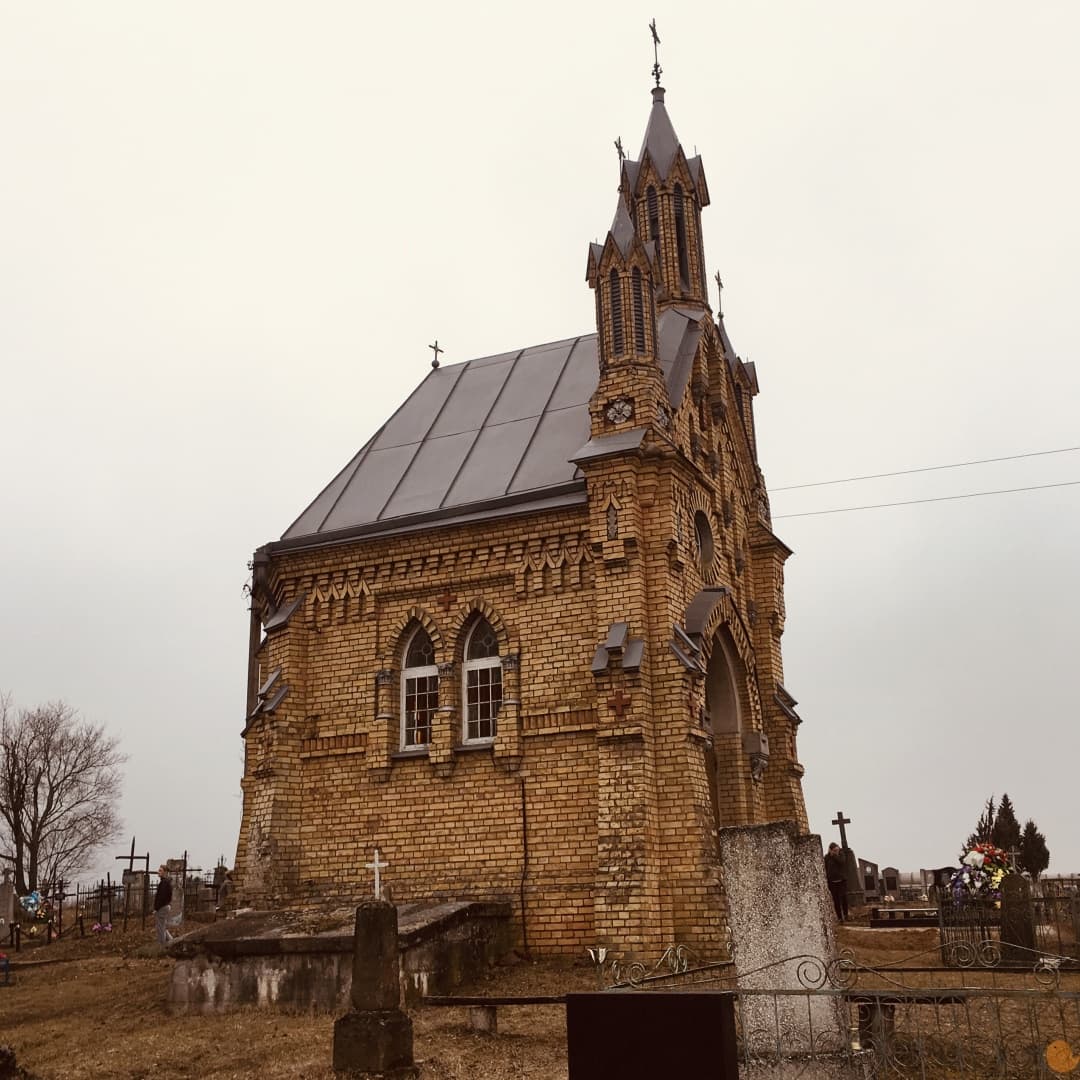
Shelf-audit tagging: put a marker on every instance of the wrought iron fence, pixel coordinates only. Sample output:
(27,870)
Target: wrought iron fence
(1016,928)
(803,1016)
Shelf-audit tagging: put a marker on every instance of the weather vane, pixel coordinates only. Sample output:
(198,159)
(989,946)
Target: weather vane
(657,70)
(619,150)
(435,362)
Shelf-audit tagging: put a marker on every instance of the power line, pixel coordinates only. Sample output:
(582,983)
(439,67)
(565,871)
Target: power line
(915,502)
(927,468)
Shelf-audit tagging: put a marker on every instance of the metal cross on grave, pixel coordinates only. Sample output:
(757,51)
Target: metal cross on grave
(619,702)
(842,821)
(378,867)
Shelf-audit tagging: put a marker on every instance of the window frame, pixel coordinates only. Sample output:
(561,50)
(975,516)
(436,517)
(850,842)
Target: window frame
(425,671)
(468,666)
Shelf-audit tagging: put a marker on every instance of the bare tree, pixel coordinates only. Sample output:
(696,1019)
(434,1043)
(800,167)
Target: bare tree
(59,786)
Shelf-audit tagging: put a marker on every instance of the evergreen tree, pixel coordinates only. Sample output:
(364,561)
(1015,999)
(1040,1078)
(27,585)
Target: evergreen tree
(983,828)
(1034,854)
(1005,833)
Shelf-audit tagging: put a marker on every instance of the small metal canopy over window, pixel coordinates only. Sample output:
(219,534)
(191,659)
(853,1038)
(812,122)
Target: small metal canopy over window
(703,536)
(419,690)
(482,683)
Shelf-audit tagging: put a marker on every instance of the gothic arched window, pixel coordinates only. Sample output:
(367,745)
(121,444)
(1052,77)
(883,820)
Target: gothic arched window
(482,683)
(419,690)
(654,213)
(680,235)
(618,344)
(639,312)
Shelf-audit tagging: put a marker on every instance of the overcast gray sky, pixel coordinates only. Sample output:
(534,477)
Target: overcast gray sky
(228,233)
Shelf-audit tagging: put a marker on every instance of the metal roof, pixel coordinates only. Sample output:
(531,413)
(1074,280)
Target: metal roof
(482,439)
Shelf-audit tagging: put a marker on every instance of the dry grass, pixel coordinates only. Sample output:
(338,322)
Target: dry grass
(100,1012)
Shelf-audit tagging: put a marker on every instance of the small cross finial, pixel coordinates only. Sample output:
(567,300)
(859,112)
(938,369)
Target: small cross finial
(435,362)
(657,70)
(619,150)
(719,295)
(378,866)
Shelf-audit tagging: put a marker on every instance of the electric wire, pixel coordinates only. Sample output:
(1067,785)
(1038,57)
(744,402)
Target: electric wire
(926,468)
(915,502)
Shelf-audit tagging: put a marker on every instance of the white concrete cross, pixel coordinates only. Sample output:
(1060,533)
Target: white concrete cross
(378,867)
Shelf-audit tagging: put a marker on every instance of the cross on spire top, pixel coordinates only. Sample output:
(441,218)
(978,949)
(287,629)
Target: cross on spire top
(619,150)
(435,362)
(657,70)
(719,295)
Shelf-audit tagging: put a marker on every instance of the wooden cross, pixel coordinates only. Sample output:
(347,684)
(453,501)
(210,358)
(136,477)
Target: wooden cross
(619,702)
(719,296)
(842,821)
(619,150)
(657,69)
(435,362)
(378,867)
(447,599)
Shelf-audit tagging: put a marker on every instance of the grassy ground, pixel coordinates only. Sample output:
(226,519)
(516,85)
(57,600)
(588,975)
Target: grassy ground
(95,1007)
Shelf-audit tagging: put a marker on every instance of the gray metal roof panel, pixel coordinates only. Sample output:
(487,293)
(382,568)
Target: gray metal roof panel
(414,418)
(530,383)
(474,435)
(492,461)
(678,334)
(546,462)
(579,377)
(425,482)
(369,488)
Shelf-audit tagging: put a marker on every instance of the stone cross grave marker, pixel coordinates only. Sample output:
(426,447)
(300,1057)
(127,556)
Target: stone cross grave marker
(378,867)
(856,896)
(375,1039)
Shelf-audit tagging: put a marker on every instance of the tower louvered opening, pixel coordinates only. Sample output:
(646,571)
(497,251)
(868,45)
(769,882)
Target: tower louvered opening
(618,342)
(639,312)
(680,236)
(654,214)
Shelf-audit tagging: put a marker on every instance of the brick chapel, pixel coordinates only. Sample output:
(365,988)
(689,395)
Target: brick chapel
(527,641)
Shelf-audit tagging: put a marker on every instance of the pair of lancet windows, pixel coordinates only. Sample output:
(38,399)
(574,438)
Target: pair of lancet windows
(481,687)
(637,299)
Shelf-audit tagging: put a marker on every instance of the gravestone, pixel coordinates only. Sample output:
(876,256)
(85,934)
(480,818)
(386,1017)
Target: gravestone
(7,899)
(891,877)
(1017,920)
(376,1037)
(868,873)
(643,1035)
(781,919)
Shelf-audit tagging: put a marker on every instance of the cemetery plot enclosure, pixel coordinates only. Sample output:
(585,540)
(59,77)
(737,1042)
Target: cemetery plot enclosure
(1014,931)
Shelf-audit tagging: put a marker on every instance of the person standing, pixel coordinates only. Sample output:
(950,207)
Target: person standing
(163,905)
(836,876)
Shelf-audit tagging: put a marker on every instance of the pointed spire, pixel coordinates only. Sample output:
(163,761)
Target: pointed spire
(660,138)
(622,228)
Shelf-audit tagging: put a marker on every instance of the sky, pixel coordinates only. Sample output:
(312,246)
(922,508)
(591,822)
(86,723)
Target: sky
(231,231)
